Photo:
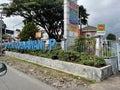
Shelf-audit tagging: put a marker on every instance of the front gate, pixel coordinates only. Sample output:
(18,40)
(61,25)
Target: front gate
(118,54)
(110,50)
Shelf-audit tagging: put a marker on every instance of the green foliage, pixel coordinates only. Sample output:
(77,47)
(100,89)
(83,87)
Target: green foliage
(45,13)
(83,16)
(4,36)
(93,61)
(82,44)
(70,56)
(28,31)
(3,28)
(111,36)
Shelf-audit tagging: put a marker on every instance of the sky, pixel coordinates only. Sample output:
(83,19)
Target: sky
(101,12)
(14,22)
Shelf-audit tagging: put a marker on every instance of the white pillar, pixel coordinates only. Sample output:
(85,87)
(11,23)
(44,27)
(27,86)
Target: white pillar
(66,16)
(66,24)
(97,52)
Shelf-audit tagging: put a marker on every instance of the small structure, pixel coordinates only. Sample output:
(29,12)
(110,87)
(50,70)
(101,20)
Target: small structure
(89,31)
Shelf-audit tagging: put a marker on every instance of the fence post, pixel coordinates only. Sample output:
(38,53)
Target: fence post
(97,52)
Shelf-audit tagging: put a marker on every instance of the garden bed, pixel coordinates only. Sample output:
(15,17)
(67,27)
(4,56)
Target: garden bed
(89,72)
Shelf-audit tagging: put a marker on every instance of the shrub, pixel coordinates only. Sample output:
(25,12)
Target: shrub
(69,56)
(94,61)
(82,44)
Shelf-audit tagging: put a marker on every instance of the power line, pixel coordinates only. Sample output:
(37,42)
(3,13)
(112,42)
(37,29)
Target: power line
(18,24)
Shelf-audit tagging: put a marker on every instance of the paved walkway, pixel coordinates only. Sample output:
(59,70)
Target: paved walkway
(112,83)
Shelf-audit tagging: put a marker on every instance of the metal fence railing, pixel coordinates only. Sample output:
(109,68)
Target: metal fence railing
(85,46)
(109,49)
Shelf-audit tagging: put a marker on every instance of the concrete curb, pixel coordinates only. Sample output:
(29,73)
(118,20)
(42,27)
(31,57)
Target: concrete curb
(89,72)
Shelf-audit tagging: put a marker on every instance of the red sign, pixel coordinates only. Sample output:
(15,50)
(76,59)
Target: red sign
(101,27)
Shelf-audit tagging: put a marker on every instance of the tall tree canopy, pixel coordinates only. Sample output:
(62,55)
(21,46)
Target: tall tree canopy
(83,16)
(45,13)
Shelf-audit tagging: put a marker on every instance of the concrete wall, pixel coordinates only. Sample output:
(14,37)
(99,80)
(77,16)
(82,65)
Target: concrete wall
(89,72)
(114,63)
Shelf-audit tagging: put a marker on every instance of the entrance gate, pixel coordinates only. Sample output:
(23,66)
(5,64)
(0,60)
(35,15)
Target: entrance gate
(118,54)
(110,50)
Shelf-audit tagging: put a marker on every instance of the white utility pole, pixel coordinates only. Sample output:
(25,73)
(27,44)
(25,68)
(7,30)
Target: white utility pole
(66,18)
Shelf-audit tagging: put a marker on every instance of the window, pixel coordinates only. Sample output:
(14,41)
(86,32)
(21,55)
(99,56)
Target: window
(88,35)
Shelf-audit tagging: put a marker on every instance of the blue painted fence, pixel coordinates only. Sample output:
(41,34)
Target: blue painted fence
(30,45)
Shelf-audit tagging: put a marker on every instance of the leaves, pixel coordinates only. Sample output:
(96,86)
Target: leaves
(111,36)
(28,31)
(45,13)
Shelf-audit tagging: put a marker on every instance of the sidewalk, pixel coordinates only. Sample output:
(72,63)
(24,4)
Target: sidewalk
(112,83)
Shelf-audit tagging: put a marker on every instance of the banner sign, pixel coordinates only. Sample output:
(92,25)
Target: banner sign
(30,45)
(73,17)
(101,29)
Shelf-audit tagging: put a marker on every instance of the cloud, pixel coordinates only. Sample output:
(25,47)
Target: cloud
(14,22)
(103,11)
(4,1)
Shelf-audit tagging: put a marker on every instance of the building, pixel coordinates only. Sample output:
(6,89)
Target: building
(11,35)
(89,31)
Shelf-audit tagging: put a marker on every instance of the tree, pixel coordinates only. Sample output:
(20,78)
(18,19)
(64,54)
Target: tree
(111,36)
(3,28)
(28,31)
(45,13)
(83,16)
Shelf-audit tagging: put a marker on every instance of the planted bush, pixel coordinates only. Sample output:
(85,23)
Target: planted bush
(69,56)
(94,61)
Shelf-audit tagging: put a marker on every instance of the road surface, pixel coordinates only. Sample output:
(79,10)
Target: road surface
(15,80)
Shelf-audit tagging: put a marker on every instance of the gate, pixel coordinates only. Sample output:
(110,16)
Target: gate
(118,54)
(111,49)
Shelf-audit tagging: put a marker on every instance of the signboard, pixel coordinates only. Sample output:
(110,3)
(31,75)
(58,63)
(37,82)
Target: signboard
(73,17)
(101,29)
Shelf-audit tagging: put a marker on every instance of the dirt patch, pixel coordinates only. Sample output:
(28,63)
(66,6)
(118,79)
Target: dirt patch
(52,77)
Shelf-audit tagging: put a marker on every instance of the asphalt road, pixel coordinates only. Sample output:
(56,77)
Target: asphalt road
(15,80)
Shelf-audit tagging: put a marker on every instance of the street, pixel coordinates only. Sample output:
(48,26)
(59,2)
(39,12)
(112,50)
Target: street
(15,80)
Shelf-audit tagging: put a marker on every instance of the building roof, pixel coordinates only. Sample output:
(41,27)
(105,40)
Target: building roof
(89,28)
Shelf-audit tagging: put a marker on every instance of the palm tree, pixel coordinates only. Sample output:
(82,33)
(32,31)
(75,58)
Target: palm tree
(83,16)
